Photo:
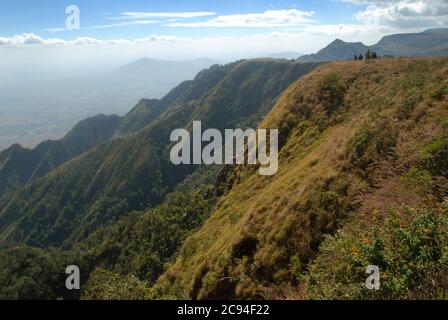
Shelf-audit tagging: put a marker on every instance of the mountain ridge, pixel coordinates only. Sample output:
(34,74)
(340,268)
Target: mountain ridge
(432,42)
(348,189)
(19,165)
(133,172)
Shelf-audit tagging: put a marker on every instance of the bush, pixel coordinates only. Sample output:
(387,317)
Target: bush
(418,178)
(411,250)
(371,143)
(295,266)
(332,89)
(408,104)
(440,91)
(435,158)
(106,285)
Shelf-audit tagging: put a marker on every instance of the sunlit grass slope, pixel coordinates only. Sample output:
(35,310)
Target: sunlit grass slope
(362,180)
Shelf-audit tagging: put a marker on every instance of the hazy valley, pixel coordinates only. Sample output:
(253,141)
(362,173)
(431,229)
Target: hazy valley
(38,110)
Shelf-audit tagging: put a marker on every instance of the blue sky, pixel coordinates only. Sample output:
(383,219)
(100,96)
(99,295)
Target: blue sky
(37,17)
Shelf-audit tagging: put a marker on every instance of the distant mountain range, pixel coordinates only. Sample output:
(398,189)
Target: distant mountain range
(286,55)
(50,108)
(432,42)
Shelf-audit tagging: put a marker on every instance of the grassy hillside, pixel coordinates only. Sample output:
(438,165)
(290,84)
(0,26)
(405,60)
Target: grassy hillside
(133,172)
(362,180)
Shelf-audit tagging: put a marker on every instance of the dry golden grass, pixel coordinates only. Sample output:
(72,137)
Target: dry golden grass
(281,212)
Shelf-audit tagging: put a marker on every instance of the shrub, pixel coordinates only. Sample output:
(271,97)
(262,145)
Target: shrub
(332,89)
(295,266)
(410,249)
(418,178)
(370,143)
(440,91)
(408,104)
(435,157)
(106,285)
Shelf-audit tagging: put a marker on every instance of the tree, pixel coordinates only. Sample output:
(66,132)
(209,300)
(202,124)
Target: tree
(356,57)
(374,55)
(361,57)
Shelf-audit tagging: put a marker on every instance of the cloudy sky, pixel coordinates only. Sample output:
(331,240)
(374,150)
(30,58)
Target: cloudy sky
(34,35)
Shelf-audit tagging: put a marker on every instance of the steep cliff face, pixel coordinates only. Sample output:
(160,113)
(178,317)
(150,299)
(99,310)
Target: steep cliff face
(362,144)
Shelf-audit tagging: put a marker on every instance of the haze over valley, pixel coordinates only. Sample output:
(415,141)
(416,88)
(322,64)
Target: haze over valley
(37,110)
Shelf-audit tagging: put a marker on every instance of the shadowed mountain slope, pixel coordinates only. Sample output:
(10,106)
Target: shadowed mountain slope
(19,165)
(133,172)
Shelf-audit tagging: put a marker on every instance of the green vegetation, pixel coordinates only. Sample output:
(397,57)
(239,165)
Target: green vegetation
(440,91)
(135,251)
(18,165)
(407,106)
(31,273)
(143,243)
(410,248)
(106,285)
(435,158)
(332,88)
(133,172)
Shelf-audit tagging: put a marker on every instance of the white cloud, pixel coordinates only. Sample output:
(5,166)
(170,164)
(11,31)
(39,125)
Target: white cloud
(349,30)
(404,14)
(269,18)
(142,18)
(27,39)
(145,15)
(52,30)
(123,24)
(108,26)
